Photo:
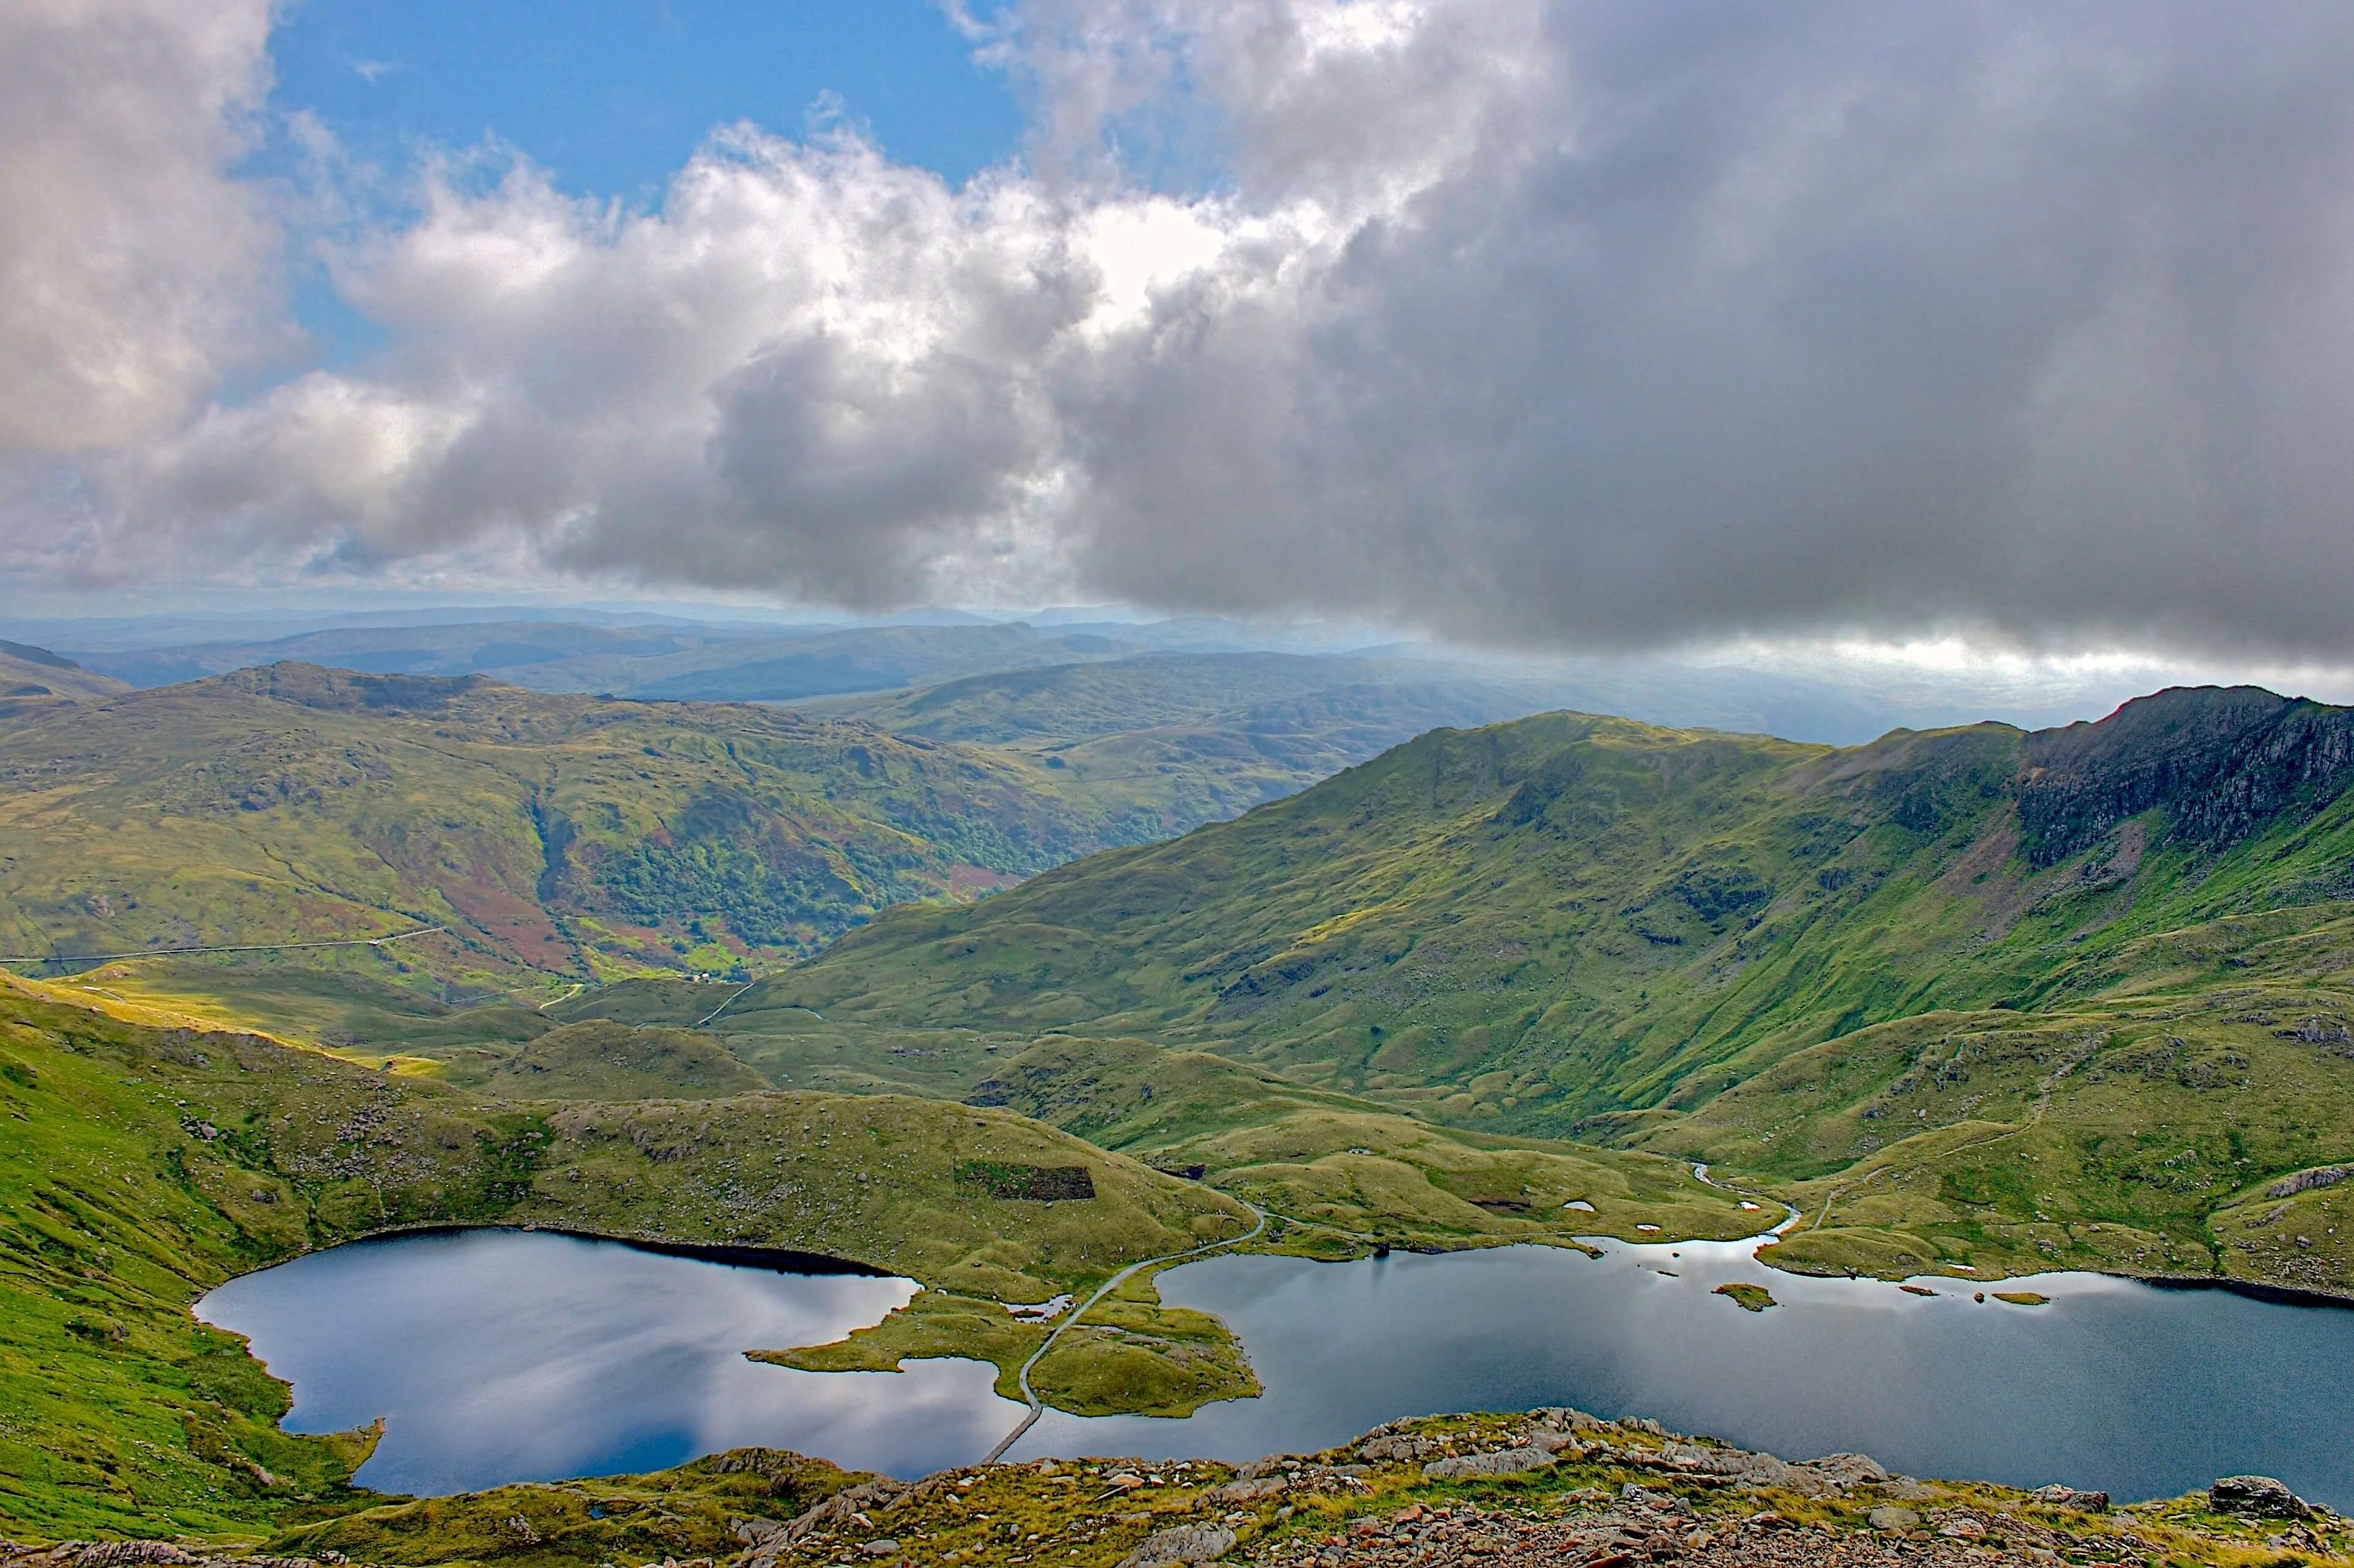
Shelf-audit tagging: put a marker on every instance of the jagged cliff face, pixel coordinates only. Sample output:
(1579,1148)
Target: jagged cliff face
(2220,765)
(1541,921)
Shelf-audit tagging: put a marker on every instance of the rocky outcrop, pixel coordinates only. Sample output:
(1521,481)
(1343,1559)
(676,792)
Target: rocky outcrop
(2258,1496)
(2307,1181)
(848,1506)
(2221,762)
(1494,1462)
(1187,1544)
(139,1554)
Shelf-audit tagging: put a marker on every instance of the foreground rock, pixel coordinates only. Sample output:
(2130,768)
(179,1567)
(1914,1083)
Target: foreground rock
(2259,1496)
(1551,1487)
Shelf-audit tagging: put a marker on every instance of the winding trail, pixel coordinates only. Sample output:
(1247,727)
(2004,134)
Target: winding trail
(1037,1406)
(724,1006)
(1790,1215)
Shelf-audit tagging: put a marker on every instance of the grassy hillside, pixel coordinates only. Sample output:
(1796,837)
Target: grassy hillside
(1344,1173)
(2193,1116)
(603,1061)
(1545,920)
(562,835)
(1633,936)
(146,1165)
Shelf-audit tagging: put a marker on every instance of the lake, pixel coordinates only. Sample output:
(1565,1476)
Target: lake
(501,1355)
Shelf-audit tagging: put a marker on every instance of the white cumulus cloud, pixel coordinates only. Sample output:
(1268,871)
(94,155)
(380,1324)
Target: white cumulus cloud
(1569,324)
(132,267)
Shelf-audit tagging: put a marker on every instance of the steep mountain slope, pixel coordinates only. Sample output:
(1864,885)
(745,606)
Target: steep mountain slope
(1570,916)
(545,833)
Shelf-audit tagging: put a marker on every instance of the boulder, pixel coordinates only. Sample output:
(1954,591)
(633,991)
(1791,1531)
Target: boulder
(1403,1446)
(1848,1469)
(1248,1491)
(1497,1462)
(1179,1547)
(1891,1517)
(2069,1497)
(2259,1497)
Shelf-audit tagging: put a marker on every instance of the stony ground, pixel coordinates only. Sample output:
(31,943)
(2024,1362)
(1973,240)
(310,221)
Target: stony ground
(1661,1530)
(1553,1486)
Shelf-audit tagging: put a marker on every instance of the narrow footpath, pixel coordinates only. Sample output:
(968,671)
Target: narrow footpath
(1037,1406)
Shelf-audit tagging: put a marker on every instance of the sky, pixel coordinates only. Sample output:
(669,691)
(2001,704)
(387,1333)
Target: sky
(2001,331)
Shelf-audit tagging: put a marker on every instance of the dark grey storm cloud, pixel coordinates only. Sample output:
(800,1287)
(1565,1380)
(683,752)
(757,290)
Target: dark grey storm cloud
(1567,325)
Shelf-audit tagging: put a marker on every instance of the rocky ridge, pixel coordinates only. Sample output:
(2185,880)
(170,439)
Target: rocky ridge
(1553,1486)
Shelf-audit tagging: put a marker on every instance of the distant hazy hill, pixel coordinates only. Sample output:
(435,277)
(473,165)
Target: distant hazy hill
(464,649)
(31,677)
(842,668)
(549,832)
(867,659)
(1203,735)
(669,661)
(1239,693)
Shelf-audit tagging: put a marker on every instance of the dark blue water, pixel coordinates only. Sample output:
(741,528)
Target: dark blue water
(2115,1385)
(501,1356)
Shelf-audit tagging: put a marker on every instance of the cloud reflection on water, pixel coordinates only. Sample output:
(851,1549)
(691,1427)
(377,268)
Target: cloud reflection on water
(499,1356)
(2116,1385)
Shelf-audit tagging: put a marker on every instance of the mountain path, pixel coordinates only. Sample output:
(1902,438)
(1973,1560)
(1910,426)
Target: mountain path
(1037,1406)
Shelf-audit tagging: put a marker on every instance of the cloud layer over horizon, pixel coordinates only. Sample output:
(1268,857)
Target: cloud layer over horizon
(1570,325)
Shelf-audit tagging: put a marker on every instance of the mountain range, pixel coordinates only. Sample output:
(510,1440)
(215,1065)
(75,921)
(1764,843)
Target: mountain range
(1973,1003)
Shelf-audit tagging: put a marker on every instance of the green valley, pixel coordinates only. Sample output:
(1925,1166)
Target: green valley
(542,836)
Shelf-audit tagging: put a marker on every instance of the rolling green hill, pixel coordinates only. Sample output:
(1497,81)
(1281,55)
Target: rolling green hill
(597,1060)
(545,834)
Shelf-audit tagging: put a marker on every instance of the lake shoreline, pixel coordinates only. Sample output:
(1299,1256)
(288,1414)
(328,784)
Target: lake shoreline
(775,1259)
